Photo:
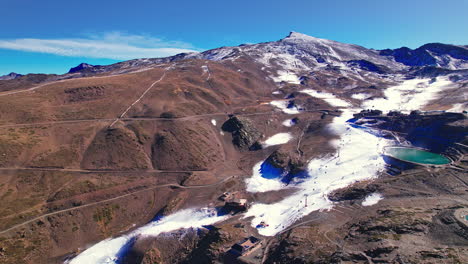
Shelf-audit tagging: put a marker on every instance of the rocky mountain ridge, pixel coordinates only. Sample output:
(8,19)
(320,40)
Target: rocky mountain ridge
(316,52)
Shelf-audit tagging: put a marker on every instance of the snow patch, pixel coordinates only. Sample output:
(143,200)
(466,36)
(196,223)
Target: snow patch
(257,183)
(372,199)
(283,59)
(288,123)
(457,108)
(360,96)
(107,251)
(286,76)
(277,139)
(283,105)
(327,97)
(409,95)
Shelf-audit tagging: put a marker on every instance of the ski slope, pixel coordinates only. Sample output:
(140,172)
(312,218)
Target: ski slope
(110,250)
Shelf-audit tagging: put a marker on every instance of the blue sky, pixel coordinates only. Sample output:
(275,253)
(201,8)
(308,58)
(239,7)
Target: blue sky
(50,36)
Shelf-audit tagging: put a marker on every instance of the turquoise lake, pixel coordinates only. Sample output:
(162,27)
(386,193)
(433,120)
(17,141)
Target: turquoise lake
(416,155)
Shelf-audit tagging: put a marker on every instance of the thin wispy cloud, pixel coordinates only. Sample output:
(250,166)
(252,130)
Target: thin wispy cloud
(113,45)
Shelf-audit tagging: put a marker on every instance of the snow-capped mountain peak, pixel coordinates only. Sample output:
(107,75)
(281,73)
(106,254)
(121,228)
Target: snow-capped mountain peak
(303,37)
(299,53)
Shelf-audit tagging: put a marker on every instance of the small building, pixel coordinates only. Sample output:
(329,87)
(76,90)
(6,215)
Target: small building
(226,196)
(234,202)
(238,204)
(246,246)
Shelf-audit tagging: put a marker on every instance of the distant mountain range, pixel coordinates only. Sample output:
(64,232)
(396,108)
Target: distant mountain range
(313,53)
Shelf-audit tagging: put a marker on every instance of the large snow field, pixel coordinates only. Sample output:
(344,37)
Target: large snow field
(409,95)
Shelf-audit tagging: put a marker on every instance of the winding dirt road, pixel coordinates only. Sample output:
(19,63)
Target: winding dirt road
(173,185)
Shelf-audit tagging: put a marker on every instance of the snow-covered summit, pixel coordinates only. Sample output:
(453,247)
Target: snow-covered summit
(296,36)
(298,53)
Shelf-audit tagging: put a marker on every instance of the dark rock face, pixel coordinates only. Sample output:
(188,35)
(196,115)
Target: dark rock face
(205,250)
(445,49)
(290,162)
(10,76)
(352,193)
(377,252)
(367,66)
(285,164)
(244,133)
(426,54)
(82,66)
(167,248)
(183,246)
(366,113)
(407,56)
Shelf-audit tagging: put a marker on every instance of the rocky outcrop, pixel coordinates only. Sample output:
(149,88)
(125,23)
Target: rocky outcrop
(183,246)
(447,229)
(289,161)
(368,113)
(367,66)
(82,66)
(355,192)
(205,250)
(170,247)
(245,135)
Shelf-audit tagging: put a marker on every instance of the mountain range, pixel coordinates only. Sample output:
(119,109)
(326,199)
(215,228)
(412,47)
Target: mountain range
(148,160)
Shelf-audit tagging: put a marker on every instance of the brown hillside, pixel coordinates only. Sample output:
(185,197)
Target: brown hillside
(185,146)
(115,148)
